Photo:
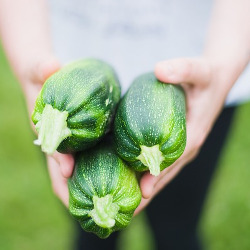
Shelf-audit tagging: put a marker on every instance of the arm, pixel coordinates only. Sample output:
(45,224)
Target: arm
(25,37)
(206,81)
(24,32)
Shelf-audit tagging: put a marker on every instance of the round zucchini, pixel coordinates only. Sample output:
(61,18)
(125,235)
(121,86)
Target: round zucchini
(75,106)
(103,191)
(150,124)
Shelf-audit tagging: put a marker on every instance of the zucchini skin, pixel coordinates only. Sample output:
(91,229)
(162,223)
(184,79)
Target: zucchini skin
(100,172)
(89,91)
(151,113)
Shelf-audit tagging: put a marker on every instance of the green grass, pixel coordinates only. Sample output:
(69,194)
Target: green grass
(31,217)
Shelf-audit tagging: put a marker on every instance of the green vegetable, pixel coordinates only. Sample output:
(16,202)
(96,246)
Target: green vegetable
(150,124)
(103,191)
(75,106)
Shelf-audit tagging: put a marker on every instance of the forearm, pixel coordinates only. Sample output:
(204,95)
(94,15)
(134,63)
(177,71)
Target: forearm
(24,33)
(228,42)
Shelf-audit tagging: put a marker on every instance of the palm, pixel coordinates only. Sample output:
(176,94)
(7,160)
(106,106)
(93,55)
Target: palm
(204,103)
(60,166)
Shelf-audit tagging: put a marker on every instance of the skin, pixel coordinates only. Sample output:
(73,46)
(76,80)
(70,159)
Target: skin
(206,80)
(32,60)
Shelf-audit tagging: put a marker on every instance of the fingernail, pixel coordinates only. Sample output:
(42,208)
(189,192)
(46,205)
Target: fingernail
(167,69)
(164,71)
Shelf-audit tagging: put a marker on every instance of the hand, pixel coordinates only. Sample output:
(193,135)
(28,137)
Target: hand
(60,166)
(206,90)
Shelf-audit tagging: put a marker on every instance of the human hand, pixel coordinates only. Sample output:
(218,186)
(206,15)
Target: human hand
(206,88)
(60,166)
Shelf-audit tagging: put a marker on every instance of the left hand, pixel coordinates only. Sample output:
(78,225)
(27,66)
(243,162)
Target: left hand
(60,166)
(206,89)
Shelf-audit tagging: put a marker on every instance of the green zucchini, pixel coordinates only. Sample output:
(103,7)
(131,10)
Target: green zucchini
(103,191)
(150,124)
(75,106)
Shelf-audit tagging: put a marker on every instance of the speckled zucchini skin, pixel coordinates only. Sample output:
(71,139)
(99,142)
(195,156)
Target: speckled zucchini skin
(151,113)
(99,172)
(89,91)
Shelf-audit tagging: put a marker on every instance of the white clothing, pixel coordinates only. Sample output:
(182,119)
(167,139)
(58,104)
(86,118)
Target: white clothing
(134,35)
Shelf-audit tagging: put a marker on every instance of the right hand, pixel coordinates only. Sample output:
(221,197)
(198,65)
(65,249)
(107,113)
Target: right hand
(206,88)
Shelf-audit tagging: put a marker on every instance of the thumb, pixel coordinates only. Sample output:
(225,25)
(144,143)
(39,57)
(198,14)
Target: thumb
(183,70)
(147,184)
(44,69)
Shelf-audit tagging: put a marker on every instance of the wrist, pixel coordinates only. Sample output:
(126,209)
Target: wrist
(227,67)
(225,71)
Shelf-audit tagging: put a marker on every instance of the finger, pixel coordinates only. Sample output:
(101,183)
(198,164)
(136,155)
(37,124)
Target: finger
(59,183)
(170,172)
(44,69)
(183,70)
(143,204)
(147,183)
(49,68)
(65,162)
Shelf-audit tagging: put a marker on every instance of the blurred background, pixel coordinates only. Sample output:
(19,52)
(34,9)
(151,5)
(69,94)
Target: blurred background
(31,217)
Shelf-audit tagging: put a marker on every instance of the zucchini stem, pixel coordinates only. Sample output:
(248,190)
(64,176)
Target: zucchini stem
(152,158)
(104,211)
(52,129)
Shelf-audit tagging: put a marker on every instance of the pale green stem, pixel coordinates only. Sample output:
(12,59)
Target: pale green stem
(104,211)
(151,157)
(52,129)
